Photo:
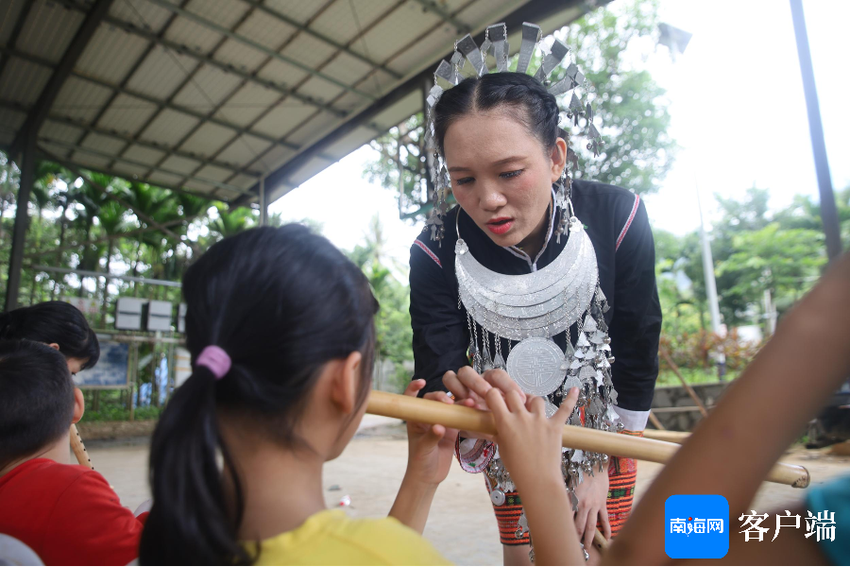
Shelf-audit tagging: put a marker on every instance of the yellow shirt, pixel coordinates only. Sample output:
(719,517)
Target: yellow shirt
(332,538)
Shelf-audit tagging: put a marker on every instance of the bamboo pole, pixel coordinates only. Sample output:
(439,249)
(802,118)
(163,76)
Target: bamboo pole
(666,356)
(671,436)
(656,422)
(79,449)
(457,417)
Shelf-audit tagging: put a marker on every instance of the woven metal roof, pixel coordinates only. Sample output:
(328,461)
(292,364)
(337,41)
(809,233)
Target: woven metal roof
(209,96)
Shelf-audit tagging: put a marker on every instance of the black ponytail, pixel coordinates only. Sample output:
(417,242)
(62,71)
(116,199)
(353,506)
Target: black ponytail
(538,108)
(53,322)
(281,302)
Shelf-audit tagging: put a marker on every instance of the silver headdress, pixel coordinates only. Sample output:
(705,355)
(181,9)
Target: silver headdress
(449,73)
(524,313)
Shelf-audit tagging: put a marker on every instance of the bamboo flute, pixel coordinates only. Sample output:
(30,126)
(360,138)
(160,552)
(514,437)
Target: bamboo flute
(79,449)
(469,419)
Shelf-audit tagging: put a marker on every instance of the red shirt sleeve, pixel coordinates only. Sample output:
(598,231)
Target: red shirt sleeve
(88,526)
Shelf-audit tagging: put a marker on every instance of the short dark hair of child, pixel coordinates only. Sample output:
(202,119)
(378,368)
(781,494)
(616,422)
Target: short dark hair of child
(36,398)
(53,322)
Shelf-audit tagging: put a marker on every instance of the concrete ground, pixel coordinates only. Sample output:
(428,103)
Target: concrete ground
(461,524)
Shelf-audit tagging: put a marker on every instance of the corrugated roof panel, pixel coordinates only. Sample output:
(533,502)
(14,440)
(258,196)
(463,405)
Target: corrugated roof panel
(88,160)
(214,173)
(164,178)
(283,118)
(204,187)
(341,24)
(49,30)
(10,122)
(192,35)
(60,131)
(266,30)
(169,127)
(350,102)
(426,50)
(243,150)
(490,12)
(351,141)
(282,73)
(377,84)
(22,81)
(298,10)
(309,169)
(320,89)
(129,171)
(10,18)
(141,14)
(143,154)
(161,72)
(401,109)
(243,181)
(127,114)
(394,32)
(54,149)
(208,84)
(110,54)
(208,139)
(222,12)
(178,164)
(80,99)
(309,50)
(274,158)
(240,55)
(247,103)
(103,144)
(317,127)
(347,68)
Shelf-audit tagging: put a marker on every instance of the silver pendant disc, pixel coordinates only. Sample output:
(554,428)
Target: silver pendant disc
(497,497)
(536,365)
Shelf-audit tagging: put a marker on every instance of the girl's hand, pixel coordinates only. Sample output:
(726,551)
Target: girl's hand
(592,496)
(470,389)
(529,443)
(430,447)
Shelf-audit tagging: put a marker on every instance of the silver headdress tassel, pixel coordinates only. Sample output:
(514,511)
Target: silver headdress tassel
(449,73)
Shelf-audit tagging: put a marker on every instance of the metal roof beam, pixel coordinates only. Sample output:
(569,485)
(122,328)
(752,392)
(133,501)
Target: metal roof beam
(321,37)
(533,10)
(85,32)
(255,45)
(141,59)
(124,138)
(104,155)
(432,6)
(183,50)
(16,31)
(150,99)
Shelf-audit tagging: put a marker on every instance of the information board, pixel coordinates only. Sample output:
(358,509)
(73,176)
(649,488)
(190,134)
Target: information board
(111,370)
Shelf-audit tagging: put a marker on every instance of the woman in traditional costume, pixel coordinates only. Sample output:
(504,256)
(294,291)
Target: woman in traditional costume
(548,278)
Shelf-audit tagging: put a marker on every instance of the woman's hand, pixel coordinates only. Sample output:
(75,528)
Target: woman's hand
(470,389)
(592,496)
(430,448)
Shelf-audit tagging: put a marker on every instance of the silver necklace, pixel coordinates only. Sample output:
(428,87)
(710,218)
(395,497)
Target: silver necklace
(531,308)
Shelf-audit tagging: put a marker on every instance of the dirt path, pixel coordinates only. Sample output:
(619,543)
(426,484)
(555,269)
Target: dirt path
(461,524)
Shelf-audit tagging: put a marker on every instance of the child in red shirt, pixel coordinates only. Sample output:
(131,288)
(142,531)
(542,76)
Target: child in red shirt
(66,513)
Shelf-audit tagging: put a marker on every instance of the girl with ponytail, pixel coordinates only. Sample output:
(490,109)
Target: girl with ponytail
(280,328)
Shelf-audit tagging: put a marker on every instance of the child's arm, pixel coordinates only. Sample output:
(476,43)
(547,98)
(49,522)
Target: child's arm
(731,452)
(430,453)
(530,447)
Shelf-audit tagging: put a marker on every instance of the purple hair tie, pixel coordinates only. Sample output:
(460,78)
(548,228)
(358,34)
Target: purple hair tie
(216,360)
